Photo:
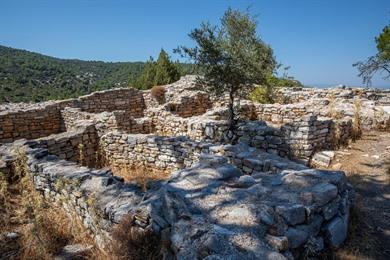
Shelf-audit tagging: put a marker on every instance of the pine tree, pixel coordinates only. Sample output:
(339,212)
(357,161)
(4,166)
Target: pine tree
(159,72)
(166,71)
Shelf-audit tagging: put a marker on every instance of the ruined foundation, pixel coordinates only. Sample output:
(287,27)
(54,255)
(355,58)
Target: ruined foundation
(256,198)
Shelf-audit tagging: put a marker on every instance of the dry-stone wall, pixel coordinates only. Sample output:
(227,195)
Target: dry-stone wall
(73,116)
(295,95)
(43,120)
(107,121)
(280,114)
(189,106)
(222,197)
(164,153)
(297,139)
(79,145)
(127,99)
(32,123)
(173,153)
(272,215)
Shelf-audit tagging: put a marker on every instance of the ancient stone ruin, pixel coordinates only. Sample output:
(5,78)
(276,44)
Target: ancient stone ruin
(255,199)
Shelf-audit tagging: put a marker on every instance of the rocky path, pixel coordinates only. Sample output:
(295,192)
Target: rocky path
(367,165)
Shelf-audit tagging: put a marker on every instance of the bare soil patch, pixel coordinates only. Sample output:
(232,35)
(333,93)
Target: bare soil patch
(367,166)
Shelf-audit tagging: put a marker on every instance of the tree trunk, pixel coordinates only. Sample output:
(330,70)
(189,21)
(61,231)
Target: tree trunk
(231,116)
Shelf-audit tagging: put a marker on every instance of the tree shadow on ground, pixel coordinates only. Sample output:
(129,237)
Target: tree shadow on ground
(369,228)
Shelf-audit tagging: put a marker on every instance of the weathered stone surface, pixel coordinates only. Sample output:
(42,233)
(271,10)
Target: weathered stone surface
(219,201)
(336,231)
(322,158)
(293,214)
(245,181)
(296,237)
(76,251)
(323,193)
(278,243)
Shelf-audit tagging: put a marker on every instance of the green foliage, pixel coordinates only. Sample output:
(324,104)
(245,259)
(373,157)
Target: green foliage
(231,56)
(266,94)
(277,82)
(27,76)
(31,77)
(159,72)
(166,71)
(383,43)
(379,62)
(261,95)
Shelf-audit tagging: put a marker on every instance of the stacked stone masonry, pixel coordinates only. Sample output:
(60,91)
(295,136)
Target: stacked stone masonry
(34,121)
(219,198)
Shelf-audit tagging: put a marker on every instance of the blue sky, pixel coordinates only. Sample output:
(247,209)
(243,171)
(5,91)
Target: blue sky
(319,39)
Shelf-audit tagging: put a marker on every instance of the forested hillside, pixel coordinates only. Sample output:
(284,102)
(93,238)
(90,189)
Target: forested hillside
(26,76)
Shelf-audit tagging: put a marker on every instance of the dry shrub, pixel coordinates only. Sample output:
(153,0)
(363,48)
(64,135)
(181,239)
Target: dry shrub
(332,112)
(5,206)
(382,122)
(44,228)
(81,155)
(331,105)
(139,173)
(45,234)
(131,242)
(49,230)
(335,138)
(356,127)
(158,92)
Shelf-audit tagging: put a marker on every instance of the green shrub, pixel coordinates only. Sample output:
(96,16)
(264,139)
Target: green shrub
(261,95)
(267,94)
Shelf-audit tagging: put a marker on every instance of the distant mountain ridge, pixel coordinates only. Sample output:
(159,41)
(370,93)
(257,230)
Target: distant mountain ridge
(28,76)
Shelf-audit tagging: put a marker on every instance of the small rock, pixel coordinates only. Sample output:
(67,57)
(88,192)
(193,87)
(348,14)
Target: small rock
(275,256)
(75,251)
(246,181)
(293,214)
(266,214)
(278,243)
(11,235)
(323,193)
(336,231)
(296,237)
(322,158)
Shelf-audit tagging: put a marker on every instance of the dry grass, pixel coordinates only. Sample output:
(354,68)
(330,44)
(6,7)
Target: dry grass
(131,242)
(4,203)
(44,228)
(335,140)
(141,174)
(356,127)
(81,155)
(362,241)
(331,106)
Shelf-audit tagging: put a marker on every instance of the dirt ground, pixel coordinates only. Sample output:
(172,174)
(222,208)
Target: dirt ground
(367,166)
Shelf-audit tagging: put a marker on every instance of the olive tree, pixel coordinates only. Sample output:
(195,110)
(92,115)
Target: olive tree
(379,62)
(231,57)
